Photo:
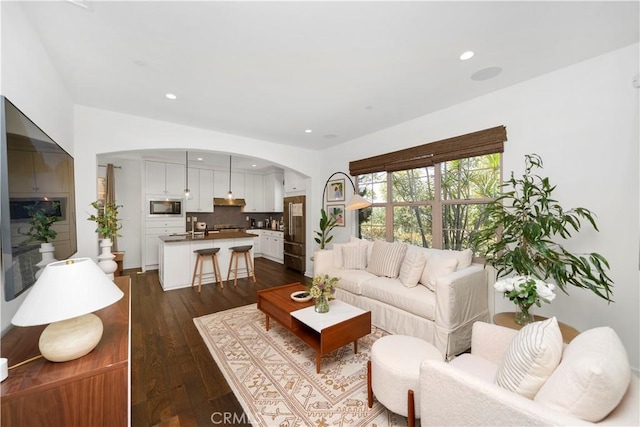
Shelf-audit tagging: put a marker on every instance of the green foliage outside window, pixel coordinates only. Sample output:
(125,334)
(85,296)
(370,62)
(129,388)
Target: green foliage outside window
(466,186)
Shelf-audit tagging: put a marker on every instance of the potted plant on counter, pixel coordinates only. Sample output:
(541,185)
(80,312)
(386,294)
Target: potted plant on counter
(41,219)
(524,231)
(106,219)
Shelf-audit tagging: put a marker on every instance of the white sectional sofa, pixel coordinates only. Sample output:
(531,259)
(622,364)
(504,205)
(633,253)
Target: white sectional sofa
(432,294)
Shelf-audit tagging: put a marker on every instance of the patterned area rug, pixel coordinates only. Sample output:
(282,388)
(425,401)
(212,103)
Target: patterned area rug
(273,374)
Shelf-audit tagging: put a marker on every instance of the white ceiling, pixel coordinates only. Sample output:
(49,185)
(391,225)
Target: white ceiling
(270,70)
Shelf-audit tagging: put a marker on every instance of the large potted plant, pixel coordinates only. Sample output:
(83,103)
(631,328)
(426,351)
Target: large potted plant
(327,223)
(40,221)
(525,227)
(106,219)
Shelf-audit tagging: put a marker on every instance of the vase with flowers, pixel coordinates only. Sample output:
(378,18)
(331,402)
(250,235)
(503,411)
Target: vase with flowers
(524,292)
(322,290)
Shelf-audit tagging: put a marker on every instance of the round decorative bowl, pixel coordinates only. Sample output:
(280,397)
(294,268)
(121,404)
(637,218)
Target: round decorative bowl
(301,296)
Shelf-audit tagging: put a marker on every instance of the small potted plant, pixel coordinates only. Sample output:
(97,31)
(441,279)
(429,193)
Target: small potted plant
(107,227)
(106,219)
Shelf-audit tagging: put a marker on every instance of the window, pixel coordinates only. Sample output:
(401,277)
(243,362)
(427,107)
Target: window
(440,200)
(435,206)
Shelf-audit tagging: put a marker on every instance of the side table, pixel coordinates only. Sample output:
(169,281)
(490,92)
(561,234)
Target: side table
(507,319)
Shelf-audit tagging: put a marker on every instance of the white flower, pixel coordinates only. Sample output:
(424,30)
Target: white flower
(545,291)
(520,288)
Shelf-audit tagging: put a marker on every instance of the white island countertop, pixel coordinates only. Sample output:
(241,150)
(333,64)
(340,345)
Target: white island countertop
(177,258)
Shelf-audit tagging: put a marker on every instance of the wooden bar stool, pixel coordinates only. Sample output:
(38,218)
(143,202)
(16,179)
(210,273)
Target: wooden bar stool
(200,255)
(237,252)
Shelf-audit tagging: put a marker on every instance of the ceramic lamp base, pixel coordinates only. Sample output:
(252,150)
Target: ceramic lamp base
(70,339)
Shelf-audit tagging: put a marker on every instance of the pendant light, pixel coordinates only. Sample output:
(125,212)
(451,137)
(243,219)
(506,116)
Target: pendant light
(187,192)
(230,194)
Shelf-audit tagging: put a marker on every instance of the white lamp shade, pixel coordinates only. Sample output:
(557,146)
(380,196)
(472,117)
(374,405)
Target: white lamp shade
(358,202)
(67,289)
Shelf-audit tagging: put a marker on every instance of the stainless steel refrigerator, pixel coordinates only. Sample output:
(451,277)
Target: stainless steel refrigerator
(294,232)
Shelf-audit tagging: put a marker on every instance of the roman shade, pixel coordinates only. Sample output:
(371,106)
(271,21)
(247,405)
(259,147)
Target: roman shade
(473,144)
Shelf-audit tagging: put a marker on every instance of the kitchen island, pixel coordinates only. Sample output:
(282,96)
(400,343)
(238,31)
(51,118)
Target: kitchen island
(177,259)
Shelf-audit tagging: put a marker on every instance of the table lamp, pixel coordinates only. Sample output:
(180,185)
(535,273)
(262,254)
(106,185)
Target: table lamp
(65,295)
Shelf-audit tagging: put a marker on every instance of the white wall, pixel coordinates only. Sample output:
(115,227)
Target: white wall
(30,81)
(99,132)
(583,121)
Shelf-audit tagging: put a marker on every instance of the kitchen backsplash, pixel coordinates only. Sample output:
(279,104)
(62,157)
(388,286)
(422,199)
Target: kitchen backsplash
(231,215)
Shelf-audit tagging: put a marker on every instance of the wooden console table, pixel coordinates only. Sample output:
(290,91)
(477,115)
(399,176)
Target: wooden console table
(508,319)
(90,391)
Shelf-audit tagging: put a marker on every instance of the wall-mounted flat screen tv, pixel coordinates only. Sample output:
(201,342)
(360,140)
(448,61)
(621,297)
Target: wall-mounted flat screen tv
(36,182)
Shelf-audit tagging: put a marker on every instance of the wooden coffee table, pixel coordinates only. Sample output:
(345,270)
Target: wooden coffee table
(325,332)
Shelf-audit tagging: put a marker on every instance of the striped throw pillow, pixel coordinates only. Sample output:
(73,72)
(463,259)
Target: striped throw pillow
(386,258)
(354,257)
(531,358)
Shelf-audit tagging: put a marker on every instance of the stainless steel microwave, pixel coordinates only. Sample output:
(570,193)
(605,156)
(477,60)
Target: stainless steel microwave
(164,207)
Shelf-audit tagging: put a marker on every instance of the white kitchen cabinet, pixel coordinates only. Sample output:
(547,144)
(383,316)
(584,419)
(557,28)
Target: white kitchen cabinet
(294,183)
(201,187)
(272,245)
(273,192)
(153,229)
(164,178)
(254,193)
(257,247)
(221,184)
(237,185)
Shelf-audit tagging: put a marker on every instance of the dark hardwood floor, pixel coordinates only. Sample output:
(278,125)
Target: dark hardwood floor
(174,379)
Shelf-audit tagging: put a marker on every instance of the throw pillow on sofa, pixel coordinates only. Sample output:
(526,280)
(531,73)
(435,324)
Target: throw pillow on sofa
(354,257)
(464,258)
(435,267)
(338,258)
(386,258)
(531,358)
(412,268)
(363,242)
(592,378)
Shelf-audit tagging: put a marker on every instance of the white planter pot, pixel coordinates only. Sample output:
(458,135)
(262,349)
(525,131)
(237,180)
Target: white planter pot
(47,250)
(105,259)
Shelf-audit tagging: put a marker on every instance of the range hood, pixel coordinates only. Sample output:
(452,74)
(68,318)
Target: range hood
(221,201)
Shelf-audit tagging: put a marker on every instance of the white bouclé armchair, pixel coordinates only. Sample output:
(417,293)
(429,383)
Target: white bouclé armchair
(464,393)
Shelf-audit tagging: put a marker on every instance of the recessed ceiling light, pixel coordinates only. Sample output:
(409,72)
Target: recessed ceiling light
(171,96)
(308,131)
(200,159)
(253,166)
(466,55)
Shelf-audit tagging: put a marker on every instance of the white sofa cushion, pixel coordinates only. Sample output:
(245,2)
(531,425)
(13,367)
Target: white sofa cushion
(531,358)
(354,257)
(591,379)
(412,268)
(435,267)
(338,259)
(386,258)
(477,366)
(464,257)
(417,300)
(351,280)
